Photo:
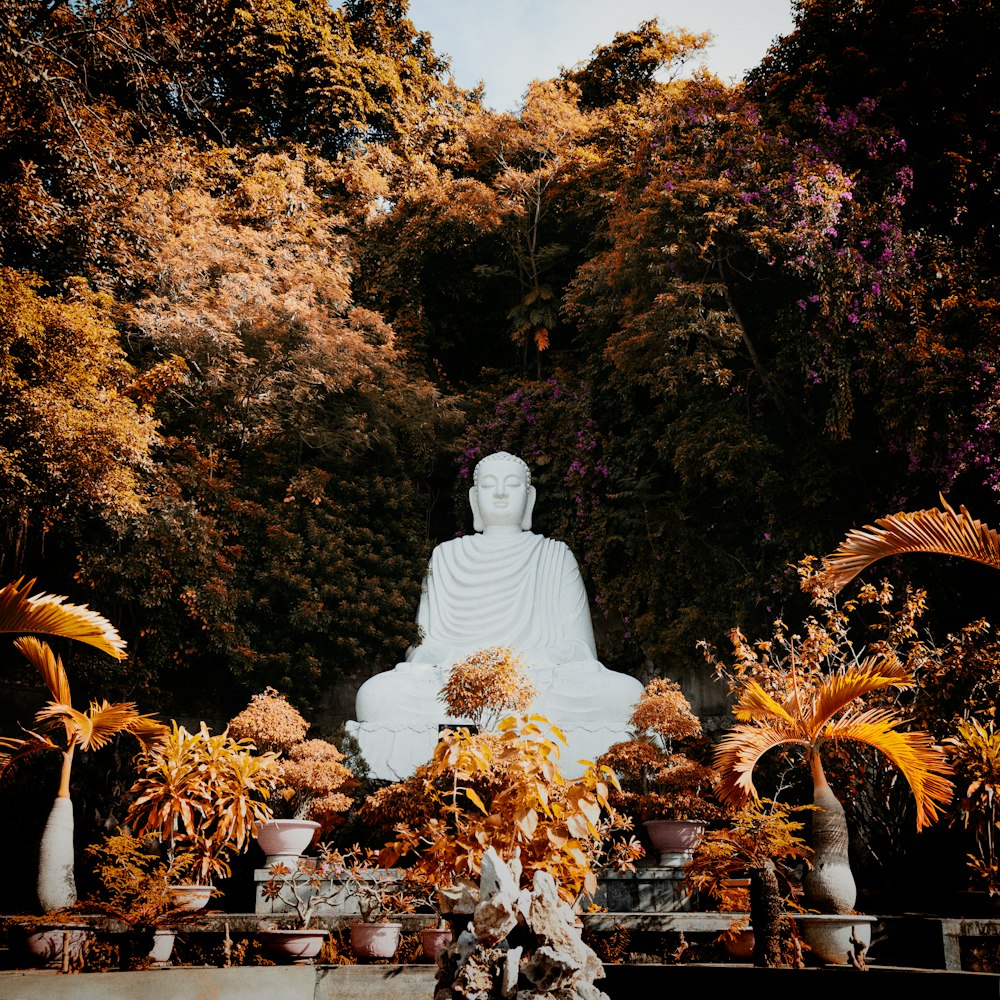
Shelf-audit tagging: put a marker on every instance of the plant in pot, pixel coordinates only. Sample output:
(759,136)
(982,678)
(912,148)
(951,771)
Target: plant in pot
(750,866)
(973,749)
(132,885)
(487,685)
(503,790)
(669,792)
(202,796)
(812,692)
(975,754)
(59,726)
(312,885)
(311,777)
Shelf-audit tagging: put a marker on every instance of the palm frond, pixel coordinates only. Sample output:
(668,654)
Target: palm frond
(737,755)
(924,765)
(755,703)
(77,724)
(13,750)
(944,532)
(107,720)
(839,689)
(149,731)
(40,655)
(46,614)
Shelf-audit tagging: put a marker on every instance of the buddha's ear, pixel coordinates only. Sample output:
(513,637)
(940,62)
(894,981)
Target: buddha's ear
(477,517)
(528,508)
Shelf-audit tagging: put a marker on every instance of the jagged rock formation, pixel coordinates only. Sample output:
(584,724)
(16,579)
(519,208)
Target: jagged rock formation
(521,944)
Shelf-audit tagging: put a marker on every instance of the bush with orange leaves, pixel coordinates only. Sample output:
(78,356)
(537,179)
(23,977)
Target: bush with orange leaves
(311,773)
(656,782)
(486,686)
(505,790)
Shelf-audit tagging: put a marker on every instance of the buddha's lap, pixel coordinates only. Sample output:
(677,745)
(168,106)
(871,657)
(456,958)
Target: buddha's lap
(579,691)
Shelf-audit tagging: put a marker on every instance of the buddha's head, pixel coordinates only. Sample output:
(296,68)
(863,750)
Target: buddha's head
(502,496)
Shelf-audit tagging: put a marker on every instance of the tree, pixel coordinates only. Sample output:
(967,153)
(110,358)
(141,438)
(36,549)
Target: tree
(281,504)
(633,63)
(812,690)
(74,441)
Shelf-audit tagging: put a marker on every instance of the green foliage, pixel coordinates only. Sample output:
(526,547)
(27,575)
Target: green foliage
(625,69)
(72,441)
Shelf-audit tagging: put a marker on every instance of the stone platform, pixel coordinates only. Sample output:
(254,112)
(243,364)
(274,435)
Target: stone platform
(413,982)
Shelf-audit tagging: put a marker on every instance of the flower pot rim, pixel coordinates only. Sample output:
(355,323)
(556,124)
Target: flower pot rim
(288,931)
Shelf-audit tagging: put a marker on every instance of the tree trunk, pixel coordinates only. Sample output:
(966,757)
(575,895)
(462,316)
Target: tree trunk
(765,916)
(56,880)
(828,885)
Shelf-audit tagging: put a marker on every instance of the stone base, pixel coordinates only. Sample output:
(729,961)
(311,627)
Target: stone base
(647,890)
(393,751)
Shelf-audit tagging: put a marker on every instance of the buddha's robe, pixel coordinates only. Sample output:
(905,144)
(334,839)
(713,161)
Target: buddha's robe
(516,589)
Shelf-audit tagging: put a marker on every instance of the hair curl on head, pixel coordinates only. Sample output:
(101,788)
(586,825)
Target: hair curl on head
(502,456)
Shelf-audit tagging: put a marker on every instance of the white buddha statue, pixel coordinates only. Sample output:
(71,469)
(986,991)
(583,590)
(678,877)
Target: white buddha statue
(503,586)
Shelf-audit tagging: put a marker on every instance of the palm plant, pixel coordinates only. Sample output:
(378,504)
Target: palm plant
(935,530)
(810,692)
(59,726)
(975,750)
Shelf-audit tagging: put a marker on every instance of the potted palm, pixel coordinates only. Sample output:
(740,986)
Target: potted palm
(201,795)
(812,693)
(669,792)
(310,776)
(59,727)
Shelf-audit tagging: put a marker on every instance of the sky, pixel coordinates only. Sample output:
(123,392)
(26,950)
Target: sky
(509,43)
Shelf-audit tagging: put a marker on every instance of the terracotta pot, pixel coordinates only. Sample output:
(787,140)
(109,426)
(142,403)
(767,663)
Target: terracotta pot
(296,945)
(286,838)
(190,897)
(434,940)
(375,940)
(675,839)
(739,945)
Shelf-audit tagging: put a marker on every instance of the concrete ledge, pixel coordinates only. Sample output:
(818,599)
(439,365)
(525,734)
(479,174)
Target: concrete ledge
(271,982)
(409,982)
(386,982)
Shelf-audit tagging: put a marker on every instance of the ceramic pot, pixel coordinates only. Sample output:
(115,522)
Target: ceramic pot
(375,940)
(833,938)
(59,945)
(162,947)
(296,945)
(674,839)
(434,940)
(286,838)
(190,897)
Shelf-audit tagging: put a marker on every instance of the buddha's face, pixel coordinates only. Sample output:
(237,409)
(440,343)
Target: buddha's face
(502,494)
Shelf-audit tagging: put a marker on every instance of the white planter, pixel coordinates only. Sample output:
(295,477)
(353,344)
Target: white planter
(163,946)
(833,938)
(190,897)
(283,839)
(296,946)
